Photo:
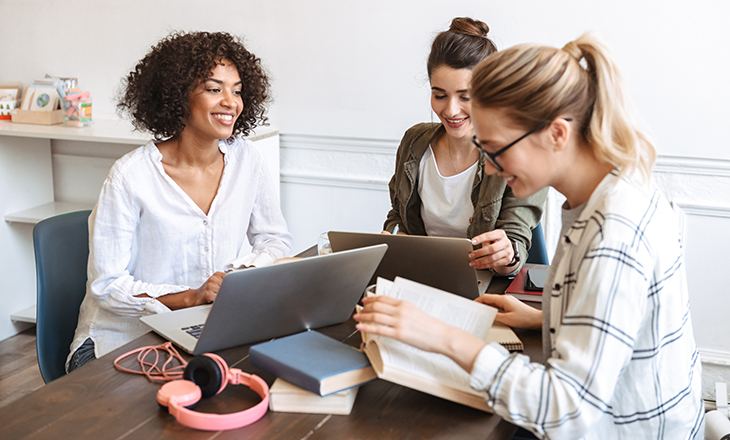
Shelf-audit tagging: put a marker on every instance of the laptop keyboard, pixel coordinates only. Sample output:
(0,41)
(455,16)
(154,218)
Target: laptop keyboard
(193,330)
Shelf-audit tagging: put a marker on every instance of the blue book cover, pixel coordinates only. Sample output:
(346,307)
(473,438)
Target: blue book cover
(313,361)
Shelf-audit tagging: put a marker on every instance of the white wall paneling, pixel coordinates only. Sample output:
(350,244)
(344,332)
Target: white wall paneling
(334,183)
(699,189)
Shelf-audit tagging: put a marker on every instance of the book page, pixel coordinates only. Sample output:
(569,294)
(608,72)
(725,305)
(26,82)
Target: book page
(460,312)
(470,316)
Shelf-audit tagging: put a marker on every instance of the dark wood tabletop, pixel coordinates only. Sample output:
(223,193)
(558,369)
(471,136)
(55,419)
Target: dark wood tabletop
(99,402)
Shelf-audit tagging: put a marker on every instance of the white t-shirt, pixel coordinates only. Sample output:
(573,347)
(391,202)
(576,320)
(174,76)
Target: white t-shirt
(146,235)
(446,206)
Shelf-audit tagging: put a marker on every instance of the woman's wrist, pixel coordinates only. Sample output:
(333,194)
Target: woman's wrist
(462,347)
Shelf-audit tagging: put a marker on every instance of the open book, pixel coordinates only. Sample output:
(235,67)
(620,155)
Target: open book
(432,373)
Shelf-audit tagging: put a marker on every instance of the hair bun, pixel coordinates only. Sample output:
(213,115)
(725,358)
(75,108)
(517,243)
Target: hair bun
(469,26)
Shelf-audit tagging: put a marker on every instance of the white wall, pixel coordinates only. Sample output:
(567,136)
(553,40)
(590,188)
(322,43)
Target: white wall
(356,69)
(349,78)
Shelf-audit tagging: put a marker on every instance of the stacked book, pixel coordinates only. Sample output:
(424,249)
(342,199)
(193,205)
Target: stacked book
(315,373)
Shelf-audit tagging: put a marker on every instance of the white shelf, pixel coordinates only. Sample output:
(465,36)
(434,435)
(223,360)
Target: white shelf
(35,215)
(102,131)
(26,315)
(108,131)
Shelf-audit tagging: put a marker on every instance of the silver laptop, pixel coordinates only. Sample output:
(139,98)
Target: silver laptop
(262,303)
(439,262)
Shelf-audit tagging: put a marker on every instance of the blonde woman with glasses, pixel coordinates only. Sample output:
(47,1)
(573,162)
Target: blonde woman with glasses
(621,357)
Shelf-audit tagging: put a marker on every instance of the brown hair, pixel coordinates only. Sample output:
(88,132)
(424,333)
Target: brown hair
(156,93)
(536,83)
(463,46)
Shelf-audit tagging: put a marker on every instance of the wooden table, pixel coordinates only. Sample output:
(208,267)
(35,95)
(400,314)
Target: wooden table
(98,402)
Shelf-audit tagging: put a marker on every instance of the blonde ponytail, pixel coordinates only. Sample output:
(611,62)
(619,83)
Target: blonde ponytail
(539,83)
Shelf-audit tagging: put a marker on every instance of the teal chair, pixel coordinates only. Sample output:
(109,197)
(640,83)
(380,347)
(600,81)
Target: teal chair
(61,247)
(538,251)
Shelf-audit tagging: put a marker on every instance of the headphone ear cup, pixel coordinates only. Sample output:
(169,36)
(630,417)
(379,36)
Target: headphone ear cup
(184,393)
(207,374)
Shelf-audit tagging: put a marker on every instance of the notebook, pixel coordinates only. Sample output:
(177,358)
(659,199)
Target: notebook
(267,302)
(438,262)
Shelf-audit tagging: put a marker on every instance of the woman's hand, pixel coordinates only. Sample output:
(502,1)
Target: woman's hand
(286,260)
(204,294)
(397,232)
(514,312)
(496,251)
(402,321)
(207,293)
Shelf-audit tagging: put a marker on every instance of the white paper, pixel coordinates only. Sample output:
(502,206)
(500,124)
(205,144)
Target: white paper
(472,317)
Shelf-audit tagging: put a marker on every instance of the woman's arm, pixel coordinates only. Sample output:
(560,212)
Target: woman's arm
(517,217)
(204,294)
(514,312)
(496,252)
(112,228)
(394,218)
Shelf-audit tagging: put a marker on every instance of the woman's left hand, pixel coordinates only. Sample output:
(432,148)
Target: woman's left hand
(496,250)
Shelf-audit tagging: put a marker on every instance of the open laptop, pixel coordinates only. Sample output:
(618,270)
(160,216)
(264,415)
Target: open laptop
(439,262)
(262,303)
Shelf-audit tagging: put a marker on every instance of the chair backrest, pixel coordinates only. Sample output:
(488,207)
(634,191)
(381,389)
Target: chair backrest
(538,250)
(61,247)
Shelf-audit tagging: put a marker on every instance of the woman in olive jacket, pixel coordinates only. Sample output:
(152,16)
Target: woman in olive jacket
(439,186)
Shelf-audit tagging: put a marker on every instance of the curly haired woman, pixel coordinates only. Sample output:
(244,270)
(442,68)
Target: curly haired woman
(176,212)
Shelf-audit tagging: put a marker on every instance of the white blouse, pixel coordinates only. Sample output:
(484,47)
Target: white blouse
(446,206)
(146,235)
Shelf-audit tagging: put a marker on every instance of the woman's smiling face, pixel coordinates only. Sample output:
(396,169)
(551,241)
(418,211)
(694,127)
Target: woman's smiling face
(527,164)
(216,103)
(450,100)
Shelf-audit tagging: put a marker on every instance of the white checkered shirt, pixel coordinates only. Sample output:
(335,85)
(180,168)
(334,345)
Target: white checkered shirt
(623,363)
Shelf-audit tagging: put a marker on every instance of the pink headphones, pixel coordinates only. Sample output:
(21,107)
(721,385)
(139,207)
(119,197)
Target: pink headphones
(206,376)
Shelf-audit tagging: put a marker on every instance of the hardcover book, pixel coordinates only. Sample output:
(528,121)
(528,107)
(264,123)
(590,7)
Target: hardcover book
(313,361)
(527,285)
(287,397)
(433,373)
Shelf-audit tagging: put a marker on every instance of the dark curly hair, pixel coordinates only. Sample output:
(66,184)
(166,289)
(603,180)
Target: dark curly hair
(156,93)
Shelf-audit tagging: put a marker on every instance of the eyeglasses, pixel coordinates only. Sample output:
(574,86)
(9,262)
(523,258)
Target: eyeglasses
(492,157)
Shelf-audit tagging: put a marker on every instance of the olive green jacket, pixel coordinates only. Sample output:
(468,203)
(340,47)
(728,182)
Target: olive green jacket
(495,206)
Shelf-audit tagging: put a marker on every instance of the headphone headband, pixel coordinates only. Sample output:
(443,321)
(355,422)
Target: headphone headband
(180,394)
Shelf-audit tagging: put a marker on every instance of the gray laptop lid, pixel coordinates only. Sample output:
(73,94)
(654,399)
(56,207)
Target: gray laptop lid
(262,303)
(439,262)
